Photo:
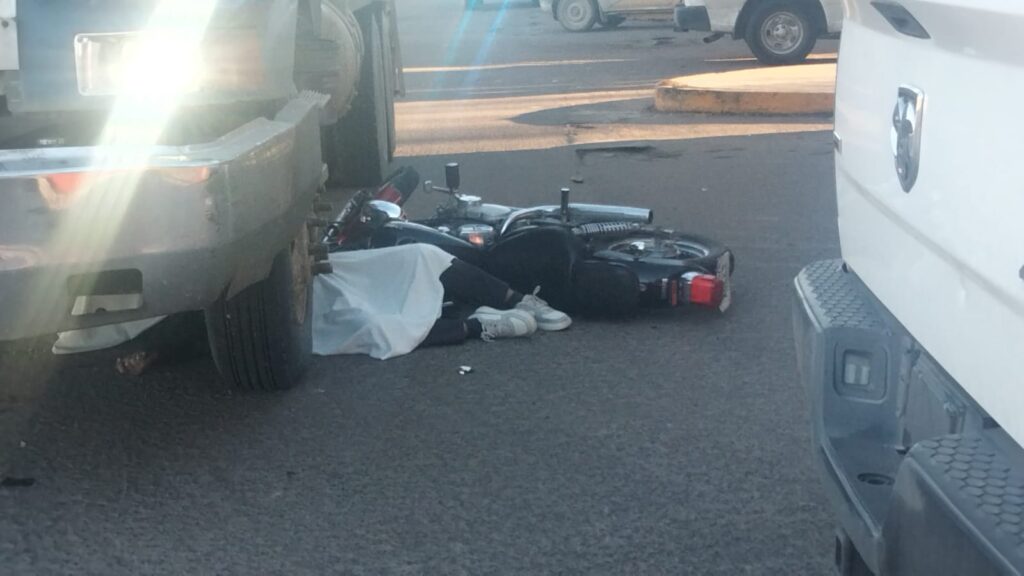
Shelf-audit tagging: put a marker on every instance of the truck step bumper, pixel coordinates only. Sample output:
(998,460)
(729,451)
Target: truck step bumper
(957,508)
(921,479)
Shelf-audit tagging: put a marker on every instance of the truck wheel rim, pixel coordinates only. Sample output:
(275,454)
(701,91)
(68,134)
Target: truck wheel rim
(782,32)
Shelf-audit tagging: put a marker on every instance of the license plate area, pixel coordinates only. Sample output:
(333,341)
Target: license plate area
(100,61)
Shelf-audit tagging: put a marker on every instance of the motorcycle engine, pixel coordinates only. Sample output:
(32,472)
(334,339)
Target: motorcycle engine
(477,234)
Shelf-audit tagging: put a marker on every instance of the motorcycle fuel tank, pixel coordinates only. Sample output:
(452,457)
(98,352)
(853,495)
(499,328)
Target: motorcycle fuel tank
(397,233)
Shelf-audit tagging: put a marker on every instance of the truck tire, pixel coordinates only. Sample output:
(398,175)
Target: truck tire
(357,149)
(780,32)
(261,339)
(578,15)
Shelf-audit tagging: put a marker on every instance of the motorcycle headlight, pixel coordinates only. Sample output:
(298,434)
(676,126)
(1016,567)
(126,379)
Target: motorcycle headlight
(110,64)
(477,234)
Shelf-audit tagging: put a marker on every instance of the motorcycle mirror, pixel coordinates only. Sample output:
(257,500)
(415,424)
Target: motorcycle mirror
(452,178)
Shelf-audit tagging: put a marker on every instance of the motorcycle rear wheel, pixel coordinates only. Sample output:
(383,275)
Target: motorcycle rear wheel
(664,246)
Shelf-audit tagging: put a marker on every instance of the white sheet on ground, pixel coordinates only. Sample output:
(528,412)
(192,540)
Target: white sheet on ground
(379,302)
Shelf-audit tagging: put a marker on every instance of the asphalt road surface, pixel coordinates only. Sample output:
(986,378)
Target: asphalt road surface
(675,443)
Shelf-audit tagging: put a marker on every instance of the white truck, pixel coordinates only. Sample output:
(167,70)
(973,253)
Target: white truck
(159,157)
(909,345)
(777,31)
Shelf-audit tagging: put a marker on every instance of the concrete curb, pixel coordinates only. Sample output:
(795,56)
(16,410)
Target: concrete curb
(803,89)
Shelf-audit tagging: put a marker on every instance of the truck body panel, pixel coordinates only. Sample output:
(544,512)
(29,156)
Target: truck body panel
(948,252)
(180,203)
(907,346)
(8,37)
(636,6)
(195,222)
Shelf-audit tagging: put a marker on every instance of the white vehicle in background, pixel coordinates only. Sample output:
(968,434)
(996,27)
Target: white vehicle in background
(777,31)
(910,347)
(582,15)
(473,4)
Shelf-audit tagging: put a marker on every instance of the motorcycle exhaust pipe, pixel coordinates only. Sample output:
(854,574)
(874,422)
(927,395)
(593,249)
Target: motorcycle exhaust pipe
(584,213)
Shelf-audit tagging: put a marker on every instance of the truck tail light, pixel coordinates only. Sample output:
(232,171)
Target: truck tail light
(61,188)
(66,183)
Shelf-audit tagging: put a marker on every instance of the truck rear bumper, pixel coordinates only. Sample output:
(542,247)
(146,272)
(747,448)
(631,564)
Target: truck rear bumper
(923,481)
(89,238)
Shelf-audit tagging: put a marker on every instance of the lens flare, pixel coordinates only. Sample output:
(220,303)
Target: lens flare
(162,65)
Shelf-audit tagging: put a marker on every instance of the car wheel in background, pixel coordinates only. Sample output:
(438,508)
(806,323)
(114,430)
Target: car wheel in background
(781,32)
(577,15)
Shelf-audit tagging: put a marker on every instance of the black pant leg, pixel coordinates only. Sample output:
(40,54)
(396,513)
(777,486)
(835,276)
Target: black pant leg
(466,283)
(446,331)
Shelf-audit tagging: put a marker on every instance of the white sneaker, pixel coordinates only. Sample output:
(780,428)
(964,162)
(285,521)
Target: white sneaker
(547,317)
(504,323)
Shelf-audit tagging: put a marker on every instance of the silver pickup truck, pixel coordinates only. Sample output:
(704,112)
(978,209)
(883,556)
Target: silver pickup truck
(156,160)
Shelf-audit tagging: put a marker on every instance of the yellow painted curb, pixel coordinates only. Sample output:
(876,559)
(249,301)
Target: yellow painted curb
(802,89)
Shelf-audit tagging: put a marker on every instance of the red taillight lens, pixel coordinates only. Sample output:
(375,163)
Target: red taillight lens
(706,290)
(59,190)
(66,183)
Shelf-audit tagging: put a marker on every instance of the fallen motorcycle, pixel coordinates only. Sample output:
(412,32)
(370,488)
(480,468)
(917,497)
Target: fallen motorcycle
(592,258)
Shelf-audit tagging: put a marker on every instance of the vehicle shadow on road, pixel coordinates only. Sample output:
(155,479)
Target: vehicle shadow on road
(641,111)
